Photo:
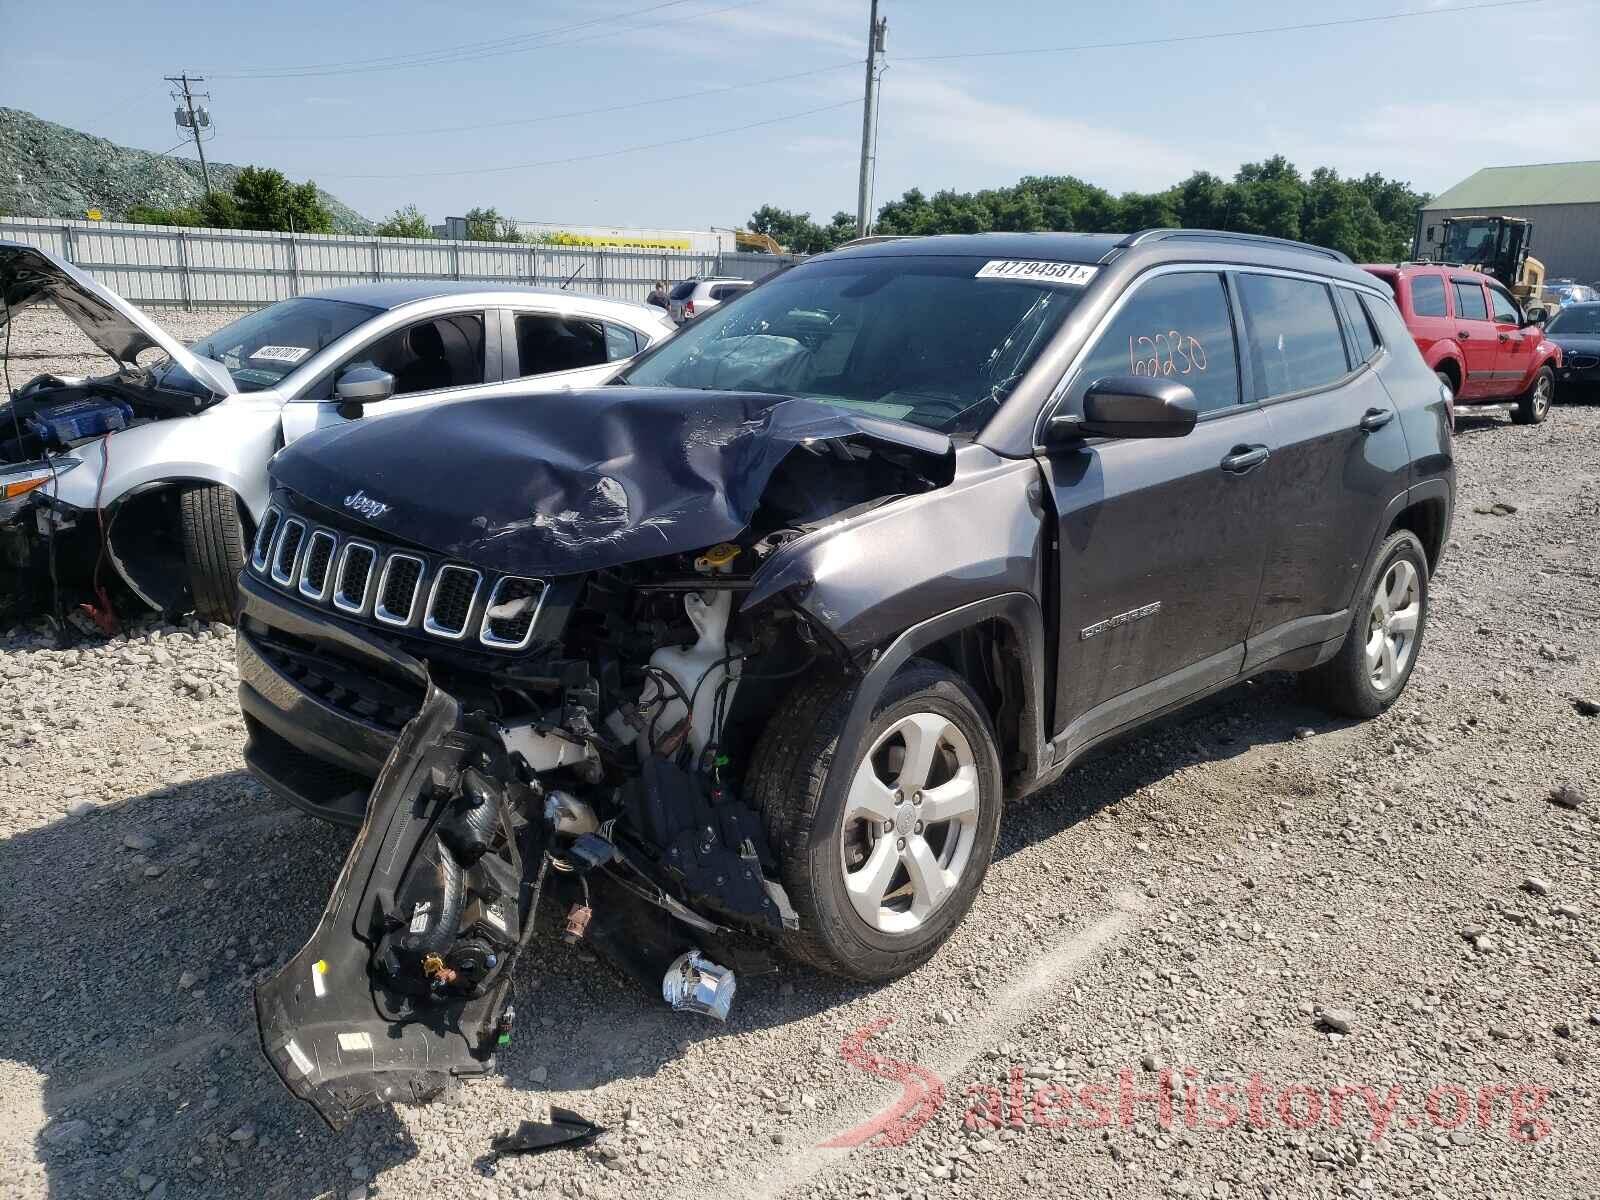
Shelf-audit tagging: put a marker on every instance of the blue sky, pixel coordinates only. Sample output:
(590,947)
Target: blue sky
(1424,99)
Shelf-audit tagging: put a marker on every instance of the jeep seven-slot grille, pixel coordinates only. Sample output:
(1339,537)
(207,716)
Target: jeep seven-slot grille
(286,557)
(262,552)
(319,557)
(396,588)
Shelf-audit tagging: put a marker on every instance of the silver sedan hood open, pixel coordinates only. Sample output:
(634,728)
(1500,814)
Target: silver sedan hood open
(29,276)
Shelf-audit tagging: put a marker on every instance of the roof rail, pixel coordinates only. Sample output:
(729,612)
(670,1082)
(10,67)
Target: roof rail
(873,240)
(1219,235)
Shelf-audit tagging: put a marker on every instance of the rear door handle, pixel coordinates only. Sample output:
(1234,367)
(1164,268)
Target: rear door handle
(1505,337)
(1464,336)
(1245,458)
(1376,418)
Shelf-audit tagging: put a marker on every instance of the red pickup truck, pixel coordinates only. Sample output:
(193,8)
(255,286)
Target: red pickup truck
(1476,337)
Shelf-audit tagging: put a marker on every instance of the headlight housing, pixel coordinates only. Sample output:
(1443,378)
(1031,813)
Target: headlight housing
(18,482)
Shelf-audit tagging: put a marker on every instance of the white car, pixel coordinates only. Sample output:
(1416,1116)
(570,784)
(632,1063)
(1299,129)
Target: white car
(154,475)
(695,297)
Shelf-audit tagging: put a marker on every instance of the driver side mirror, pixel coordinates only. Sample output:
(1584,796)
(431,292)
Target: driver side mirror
(1129,406)
(1535,314)
(360,386)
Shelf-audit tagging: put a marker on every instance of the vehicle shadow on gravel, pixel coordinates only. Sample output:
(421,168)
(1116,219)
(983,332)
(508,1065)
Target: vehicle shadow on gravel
(138,931)
(1265,711)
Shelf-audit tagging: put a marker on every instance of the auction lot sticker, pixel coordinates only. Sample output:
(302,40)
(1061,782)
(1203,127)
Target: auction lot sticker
(1035,271)
(287,354)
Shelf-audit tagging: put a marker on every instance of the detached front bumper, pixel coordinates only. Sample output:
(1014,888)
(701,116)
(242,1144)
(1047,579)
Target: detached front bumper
(323,703)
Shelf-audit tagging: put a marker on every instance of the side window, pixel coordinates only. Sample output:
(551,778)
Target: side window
(1427,296)
(621,342)
(1293,331)
(1470,305)
(1359,324)
(444,352)
(727,291)
(546,342)
(1505,308)
(1178,326)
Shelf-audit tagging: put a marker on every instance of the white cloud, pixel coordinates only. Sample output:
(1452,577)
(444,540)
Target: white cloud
(922,106)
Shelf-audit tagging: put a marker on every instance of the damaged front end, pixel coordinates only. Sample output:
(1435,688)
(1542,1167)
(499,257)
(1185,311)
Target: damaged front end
(592,684)
(407,981)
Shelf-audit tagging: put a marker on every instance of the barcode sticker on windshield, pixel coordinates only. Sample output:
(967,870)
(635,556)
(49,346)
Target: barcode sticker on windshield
(288,354)
(1067,274)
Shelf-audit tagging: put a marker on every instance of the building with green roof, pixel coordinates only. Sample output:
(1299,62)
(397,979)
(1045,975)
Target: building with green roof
(1561,199)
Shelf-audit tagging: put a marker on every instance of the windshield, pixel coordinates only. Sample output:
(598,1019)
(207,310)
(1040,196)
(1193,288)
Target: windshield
(262,348)
(1584,319)
(918,339)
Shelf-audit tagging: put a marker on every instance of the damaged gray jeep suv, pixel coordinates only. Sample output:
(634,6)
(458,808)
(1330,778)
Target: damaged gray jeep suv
(747,649)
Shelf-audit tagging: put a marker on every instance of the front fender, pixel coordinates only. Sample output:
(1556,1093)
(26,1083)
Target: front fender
(867,579)
(227,444)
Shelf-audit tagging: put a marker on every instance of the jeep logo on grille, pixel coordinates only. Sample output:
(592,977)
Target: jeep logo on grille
(364,505)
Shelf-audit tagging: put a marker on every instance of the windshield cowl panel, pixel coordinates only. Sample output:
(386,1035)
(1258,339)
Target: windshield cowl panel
(933,341)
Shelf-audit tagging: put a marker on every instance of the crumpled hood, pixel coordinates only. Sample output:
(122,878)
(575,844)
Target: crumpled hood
(573,481)
(29,275)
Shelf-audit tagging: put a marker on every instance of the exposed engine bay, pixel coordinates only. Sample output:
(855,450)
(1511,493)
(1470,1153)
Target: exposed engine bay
(589,785)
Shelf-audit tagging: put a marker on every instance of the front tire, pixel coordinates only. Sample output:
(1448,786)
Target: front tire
(213,550)
(1380,649)
(882,856)
(1533,406)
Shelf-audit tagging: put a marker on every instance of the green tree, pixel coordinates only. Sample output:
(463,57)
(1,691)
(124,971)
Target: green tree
(1371,218)
(267,200)
(407,222)
(487,225)
(798,233)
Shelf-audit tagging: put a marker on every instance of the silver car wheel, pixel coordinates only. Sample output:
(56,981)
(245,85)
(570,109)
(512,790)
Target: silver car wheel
(1392,625)
(1543,387)
(910,822)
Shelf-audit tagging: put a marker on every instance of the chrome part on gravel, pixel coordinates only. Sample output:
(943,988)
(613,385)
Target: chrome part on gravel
(1392,625)
(910,822)
(693,983)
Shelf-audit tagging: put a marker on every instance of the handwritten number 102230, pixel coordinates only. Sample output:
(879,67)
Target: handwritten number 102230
(1170,353)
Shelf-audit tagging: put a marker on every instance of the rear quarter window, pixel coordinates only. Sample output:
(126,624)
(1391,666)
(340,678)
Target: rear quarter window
(1427,296)
(683,290)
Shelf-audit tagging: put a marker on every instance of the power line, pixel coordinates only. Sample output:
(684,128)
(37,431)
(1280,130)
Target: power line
(578,158)
(558,116)
(1221,34)
(498,50)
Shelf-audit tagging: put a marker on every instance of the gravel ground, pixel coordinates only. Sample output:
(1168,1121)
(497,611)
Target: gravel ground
(1250,895)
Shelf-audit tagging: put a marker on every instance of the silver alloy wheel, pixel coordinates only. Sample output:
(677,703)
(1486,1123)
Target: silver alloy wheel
(1543,387)
(1392,624)
(910,822)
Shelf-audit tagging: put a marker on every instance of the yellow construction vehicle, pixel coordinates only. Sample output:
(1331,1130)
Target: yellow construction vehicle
(1498,246)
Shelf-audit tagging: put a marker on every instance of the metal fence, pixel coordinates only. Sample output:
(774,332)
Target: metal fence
(232,268)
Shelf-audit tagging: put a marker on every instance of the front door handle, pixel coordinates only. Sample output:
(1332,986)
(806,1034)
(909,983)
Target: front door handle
(1376,418)
(1505,337)
(1244,458)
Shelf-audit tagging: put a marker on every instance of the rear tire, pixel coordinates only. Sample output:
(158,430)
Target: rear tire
(1385,635)
(814,808)
(213,550)
(1533,406)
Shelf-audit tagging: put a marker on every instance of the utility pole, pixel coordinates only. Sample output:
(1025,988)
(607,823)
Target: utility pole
(876,31)
(187,118)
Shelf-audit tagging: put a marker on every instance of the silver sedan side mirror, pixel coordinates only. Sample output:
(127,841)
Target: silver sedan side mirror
(364,385)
